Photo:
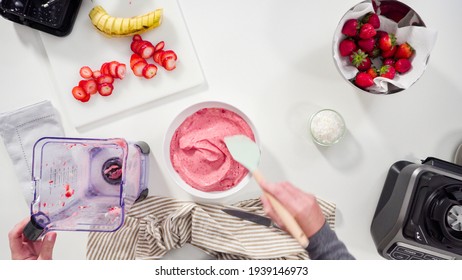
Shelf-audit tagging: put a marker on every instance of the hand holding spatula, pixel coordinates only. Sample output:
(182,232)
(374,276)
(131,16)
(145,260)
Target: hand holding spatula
(246,152)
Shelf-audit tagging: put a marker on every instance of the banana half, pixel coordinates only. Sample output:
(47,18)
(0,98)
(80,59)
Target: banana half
(120,27)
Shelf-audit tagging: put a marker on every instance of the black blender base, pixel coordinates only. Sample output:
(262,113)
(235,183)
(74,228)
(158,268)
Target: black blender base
(55,17)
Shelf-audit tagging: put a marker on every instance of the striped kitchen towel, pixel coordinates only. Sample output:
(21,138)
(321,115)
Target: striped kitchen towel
(158,224)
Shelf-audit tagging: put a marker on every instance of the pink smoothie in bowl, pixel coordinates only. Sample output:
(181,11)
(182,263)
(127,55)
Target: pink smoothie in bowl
(198,156)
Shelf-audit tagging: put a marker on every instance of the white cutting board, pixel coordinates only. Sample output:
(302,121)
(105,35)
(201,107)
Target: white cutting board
(86,46)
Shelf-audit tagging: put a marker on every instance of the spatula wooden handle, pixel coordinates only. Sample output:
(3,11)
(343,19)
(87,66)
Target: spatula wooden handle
(289,221)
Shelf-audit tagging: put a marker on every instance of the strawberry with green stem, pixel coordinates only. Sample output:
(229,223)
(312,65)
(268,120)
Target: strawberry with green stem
(372,19)
(386,41)
(360,60)
(387,71)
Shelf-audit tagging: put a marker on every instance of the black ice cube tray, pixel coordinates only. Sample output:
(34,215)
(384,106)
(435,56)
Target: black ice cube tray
(55,17)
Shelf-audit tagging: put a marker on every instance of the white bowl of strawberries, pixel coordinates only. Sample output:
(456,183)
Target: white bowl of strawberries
(376,55)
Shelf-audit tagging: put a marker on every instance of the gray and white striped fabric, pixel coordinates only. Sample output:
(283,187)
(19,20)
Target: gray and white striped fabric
(159,224)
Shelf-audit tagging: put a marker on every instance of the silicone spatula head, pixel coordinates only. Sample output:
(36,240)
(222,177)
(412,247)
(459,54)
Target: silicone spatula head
(244,150)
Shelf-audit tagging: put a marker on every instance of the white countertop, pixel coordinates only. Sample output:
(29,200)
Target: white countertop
(273,60)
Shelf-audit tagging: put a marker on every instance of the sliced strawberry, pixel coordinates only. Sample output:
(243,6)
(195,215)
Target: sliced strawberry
(80,94)
(121,71)
(96,74)
(159,46)
(105,79)
(135,44)
(137,37)
(105,89)
(113,68)
(146,50)
(86,72)
(89,86)
(138,68)
(168,54)
(169,64)
(105,70)
(157,56)
(135,58)
(149,71)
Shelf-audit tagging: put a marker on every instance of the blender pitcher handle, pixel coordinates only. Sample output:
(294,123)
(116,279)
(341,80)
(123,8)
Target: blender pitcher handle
(33,229)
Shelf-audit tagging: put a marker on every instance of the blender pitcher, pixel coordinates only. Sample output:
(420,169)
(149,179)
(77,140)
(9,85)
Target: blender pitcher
(85,184)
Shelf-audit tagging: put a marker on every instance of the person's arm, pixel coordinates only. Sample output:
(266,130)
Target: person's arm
(325,245)
(304,207)
(23,249)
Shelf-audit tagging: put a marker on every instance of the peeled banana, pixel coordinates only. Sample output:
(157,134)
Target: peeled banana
(120,27)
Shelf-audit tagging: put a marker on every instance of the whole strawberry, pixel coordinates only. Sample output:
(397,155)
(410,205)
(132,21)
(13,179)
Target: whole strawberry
(372,19)
(389,61)
(350,27)
(374,53)
(367,45)
(403,65)
(372,72)
(387,71)
(386,41)
(363,80)
(367,31)
(404,51)
(360,60)
(389,53)
(347,47)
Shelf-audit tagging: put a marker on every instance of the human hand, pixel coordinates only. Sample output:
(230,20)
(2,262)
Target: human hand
(303,206)
(23,249)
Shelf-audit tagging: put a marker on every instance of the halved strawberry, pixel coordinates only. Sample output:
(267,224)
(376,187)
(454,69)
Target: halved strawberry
(96,74)
(121,70)
(135,58)
(80,94)
(89,86)
(169,64)
(138,68)
(159,46)
(149,71)
(105,89)
(137,37)
(105,79)
(86,72)
(113,68)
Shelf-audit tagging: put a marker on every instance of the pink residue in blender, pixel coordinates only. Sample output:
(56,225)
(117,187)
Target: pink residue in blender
(113,172)
(69,191)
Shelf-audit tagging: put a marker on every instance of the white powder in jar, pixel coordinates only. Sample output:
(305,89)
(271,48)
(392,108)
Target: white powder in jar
(327,127)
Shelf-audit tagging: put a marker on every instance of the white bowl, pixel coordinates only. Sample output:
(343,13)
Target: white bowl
(168,137)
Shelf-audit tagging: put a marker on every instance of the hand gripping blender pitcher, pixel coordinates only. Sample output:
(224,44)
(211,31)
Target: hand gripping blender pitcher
(85,184)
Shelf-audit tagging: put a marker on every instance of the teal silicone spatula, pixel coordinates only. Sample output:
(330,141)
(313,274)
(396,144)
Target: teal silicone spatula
(246,152)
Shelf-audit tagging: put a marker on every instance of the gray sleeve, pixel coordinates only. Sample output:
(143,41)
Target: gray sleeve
(325,245)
